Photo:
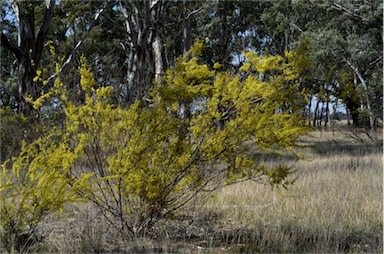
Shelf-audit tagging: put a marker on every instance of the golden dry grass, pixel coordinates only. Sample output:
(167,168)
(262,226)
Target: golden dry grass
(336,204)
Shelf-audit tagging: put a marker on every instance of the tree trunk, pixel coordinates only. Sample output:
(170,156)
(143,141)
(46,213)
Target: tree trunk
(365,92)
(26,73)
(327,115)
(309,111)
(29,48)
(353,108)
(224,34)
(315,114)
(320,122)
(157,43)
(348,117)
(26,43)
(145,57)
(184,111)
(157,48)
(187,33)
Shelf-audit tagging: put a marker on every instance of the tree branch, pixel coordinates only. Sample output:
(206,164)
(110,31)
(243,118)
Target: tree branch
(296,27)
(44,29)
(350,13)
(52,78)
(130,27)
(375,61)
(193,13)
(10,46)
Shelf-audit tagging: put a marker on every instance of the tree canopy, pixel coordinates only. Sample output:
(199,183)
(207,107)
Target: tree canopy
(145,38)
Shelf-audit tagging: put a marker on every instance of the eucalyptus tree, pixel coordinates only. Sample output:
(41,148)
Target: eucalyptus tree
(346,43)
(365,51)
(8,72)
(80,27)
(353,39)
(143,44)
(29,46)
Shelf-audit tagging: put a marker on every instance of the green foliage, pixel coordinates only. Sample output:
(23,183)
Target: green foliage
(141,164)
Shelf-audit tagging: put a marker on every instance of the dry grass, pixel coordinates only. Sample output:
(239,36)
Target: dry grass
(335,205)
(331,208)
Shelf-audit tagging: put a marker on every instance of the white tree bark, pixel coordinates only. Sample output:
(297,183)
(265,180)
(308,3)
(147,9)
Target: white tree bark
(144,46)
(365,91)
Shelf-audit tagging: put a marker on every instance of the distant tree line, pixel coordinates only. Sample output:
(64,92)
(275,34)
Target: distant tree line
(131,43)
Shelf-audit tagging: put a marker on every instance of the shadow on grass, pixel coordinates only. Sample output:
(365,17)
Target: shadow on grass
(293,239)
(287,239)
(320,148)
(209,235)
(334,148)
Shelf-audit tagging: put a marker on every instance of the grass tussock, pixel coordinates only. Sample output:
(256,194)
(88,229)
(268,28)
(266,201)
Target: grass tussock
(335,205)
